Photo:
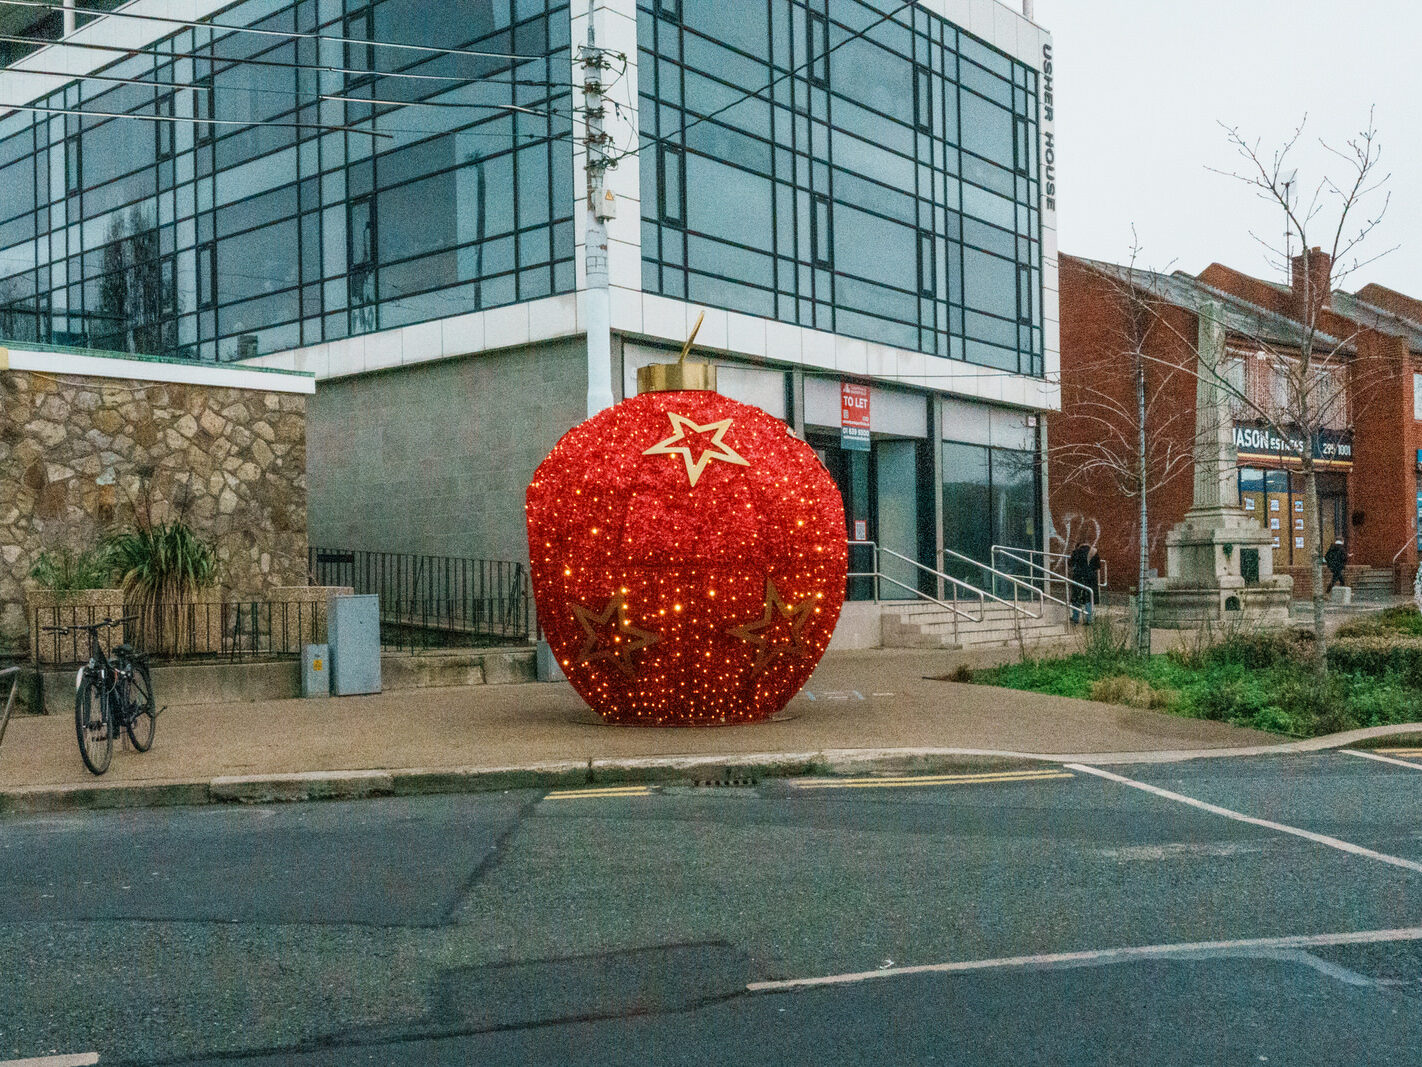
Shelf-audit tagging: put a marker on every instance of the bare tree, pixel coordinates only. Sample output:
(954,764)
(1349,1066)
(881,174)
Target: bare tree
(1129,440)
(1344,211)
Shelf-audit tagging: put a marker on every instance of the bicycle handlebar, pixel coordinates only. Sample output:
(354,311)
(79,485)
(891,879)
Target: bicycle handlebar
(87,625)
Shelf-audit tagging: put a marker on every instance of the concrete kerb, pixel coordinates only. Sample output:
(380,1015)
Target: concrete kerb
(562,774)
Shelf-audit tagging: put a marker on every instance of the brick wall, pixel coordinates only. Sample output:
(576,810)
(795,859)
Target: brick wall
(80,456)
(1096,369)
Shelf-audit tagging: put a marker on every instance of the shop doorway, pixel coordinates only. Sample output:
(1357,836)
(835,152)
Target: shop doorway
(888,499)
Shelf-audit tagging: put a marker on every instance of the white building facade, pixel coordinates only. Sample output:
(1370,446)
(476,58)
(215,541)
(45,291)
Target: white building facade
(854,192)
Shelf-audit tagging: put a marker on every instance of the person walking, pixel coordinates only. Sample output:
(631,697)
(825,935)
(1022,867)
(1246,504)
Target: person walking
(1093,581)
(1336,557)
(1078,570)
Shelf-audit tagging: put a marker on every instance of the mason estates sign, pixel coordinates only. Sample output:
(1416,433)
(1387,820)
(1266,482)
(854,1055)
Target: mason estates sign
(1330,448)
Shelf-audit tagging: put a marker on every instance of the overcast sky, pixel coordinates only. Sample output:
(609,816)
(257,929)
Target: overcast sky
(1142,87)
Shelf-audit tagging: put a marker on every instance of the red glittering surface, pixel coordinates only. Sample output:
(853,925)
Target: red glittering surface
(673,604)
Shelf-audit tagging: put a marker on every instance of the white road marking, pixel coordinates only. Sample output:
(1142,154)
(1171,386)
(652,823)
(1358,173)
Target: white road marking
(1178,850)
(1106,955)
(78,1059)
(1215,809)
(1381,759)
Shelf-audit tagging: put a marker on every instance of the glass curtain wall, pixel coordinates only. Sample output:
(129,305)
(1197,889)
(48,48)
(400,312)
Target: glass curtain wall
(217,239)
(991,496)
(887,190)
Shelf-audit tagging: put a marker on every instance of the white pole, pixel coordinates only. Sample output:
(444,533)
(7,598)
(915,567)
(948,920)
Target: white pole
(68,17)
(599,313)
(1027,11)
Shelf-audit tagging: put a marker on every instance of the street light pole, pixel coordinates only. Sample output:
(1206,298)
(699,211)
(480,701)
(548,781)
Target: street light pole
(599,209)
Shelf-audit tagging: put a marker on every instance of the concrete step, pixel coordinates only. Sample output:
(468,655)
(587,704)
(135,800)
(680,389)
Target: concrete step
(929,626)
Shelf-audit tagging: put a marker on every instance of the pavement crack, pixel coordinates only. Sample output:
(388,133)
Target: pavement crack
(497,851)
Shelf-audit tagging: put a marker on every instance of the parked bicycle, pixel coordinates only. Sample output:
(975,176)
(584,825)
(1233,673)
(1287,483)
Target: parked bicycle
(110,695)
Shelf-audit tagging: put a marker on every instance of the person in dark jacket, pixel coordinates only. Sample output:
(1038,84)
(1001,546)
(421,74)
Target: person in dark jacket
(1336,557)
(1078,570)
(1093,581)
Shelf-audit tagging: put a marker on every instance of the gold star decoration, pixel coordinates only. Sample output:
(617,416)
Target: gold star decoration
(781,624)
(717,449)
(610,635)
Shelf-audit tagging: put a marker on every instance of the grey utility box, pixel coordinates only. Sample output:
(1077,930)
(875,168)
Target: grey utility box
(353,630)
(546,664)
(316,671)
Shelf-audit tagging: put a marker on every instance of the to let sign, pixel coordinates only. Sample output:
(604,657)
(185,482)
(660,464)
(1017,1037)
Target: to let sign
(854,417)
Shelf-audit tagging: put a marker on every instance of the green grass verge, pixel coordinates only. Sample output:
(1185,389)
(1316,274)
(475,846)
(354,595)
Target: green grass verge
(1264,681)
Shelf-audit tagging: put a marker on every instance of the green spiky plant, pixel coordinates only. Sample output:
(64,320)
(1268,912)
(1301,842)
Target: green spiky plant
(65,571)
(162,567)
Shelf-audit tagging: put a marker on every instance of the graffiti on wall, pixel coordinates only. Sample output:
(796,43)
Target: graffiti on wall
(1073,529)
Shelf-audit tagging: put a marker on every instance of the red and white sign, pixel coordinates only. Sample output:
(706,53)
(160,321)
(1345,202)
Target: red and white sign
(854,416)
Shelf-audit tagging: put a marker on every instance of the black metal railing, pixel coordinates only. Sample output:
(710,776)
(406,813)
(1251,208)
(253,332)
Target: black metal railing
(208,630)
(433,601)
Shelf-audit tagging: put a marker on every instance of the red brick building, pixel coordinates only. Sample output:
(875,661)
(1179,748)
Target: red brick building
(1368,351)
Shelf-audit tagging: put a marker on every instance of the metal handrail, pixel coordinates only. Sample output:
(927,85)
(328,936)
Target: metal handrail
(987,567)
(9,704)
(1405,545)
(957,583)
(1011,553)
(953,610)
(1047,554)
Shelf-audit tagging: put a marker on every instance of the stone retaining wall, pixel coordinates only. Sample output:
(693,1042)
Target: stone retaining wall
(81,455)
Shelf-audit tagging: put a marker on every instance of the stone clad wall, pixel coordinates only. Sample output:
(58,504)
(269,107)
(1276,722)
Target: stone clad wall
(80,456)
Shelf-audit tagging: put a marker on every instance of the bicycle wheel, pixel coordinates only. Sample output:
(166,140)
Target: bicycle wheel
(92,725)
(142,711)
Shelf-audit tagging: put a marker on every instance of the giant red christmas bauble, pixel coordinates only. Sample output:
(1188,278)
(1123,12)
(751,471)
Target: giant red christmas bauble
(688,559)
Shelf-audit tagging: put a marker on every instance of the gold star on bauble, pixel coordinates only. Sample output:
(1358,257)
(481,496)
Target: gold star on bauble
(778,631)
(679,443)
(610,635)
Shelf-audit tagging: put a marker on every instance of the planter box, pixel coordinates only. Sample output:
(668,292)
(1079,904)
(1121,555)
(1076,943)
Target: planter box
(44,607)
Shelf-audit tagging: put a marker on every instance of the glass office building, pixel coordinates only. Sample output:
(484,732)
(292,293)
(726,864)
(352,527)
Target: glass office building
(854,191)
(884,187)
(287,206)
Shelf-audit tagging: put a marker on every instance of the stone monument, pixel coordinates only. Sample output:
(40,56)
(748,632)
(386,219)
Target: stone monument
(1219,561)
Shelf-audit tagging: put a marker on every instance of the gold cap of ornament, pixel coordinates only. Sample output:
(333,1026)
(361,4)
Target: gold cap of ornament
(672,377)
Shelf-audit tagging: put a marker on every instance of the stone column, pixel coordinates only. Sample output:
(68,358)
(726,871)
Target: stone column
(1216,473)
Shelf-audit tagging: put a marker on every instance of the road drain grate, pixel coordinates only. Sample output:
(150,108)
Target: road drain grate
(723,783)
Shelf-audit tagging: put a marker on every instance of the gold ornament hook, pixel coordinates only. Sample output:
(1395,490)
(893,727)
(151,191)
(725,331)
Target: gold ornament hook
(681,375)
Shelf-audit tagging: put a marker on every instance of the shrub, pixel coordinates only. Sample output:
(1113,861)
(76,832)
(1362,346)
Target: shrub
(1262,649)
(67,571)
(961,673)
(1227,693)
(1376,656)
(1106,642)
(161,569)
(1402,619)
(1132,692)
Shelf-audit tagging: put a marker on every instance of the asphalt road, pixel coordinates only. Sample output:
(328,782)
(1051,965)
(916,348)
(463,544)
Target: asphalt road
(1244,911)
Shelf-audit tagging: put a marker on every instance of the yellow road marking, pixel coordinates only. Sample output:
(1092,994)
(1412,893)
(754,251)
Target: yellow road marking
(610,791)
(931,780)
(1400,751)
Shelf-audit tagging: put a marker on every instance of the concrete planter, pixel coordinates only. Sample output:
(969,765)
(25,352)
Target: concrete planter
(45,607)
